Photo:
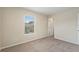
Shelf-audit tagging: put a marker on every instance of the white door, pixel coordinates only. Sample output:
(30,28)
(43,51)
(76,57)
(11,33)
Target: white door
(50,27)
(77,28)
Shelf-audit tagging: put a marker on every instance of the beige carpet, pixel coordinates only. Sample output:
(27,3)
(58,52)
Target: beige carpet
(44,45)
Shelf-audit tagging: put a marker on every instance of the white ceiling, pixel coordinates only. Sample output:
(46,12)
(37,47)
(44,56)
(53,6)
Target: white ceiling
(47,10)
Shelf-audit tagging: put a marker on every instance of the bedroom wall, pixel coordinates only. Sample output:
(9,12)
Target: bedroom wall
(13,26)
(65,25)
(0,29)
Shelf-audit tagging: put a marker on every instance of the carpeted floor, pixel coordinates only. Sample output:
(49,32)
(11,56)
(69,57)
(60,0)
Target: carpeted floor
(48,44)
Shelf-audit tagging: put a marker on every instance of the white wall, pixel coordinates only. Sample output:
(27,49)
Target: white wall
(13,27)
(0,28)
(65,26)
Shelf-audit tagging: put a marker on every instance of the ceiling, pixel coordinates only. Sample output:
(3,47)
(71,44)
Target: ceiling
(47,10)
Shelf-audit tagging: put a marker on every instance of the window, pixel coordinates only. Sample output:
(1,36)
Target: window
(29,24)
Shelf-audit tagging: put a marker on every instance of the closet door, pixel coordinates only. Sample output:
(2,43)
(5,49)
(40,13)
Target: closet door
(77,30)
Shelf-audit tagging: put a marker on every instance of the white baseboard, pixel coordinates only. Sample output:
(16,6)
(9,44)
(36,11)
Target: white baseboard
(77,43)
(32,40)
(14,44)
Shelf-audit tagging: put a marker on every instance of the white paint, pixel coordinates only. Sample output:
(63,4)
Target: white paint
(78,19)
(65,26)
(47,10)
(13,27)
(77,27)
(0,29)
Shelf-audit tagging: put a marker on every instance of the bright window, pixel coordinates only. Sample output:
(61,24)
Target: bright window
(29,24)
